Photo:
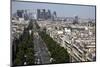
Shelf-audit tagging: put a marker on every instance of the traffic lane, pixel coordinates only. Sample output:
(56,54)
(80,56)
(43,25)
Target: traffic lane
(42,49)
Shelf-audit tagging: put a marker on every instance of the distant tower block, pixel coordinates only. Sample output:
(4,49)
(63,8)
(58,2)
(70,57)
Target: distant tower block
(75,21)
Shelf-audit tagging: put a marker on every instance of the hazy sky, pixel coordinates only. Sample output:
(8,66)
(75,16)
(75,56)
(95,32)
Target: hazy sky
(62,10)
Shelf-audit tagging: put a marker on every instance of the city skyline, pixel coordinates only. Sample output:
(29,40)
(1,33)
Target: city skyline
(44,33)
(68,10)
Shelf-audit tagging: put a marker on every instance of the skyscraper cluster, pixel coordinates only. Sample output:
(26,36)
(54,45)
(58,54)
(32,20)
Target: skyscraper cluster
(43,14)
(39,14)
(22,14)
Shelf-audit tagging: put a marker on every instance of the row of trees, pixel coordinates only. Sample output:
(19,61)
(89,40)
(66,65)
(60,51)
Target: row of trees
(24,53)
(58,53)
(37,26)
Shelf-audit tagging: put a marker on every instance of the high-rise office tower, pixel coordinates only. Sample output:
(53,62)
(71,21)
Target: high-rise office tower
(44,14)
(75,21)
(25,15)
(38,14)
(19,13)
(48,14)
(54,16)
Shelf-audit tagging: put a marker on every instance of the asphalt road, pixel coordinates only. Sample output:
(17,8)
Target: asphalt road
(41,51)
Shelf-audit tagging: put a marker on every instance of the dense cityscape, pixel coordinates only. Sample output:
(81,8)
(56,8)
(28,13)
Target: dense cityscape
(41,37)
